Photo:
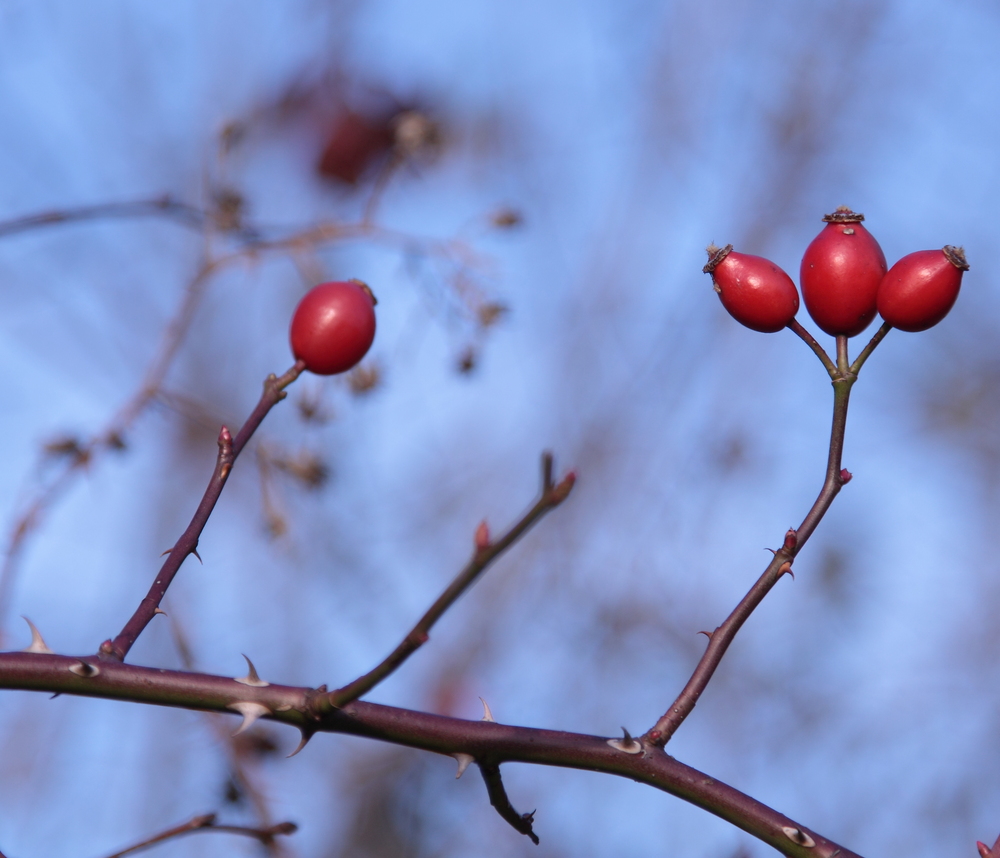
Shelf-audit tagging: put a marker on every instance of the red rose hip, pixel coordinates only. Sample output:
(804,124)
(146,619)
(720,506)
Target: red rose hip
(755,291)
(333,326)
(920,289)
(840,274)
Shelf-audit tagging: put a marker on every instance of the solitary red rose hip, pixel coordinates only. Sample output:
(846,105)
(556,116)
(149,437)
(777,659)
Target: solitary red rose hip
(840,274)
(920,289)
(755,291)
(333,326)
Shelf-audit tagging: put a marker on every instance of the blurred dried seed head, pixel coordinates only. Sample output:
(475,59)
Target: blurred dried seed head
(364,378)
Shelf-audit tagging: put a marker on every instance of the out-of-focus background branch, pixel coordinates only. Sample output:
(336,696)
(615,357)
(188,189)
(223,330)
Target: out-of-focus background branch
(627,136)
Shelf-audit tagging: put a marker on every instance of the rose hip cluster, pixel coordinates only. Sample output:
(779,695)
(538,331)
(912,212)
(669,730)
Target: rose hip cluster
(844,283)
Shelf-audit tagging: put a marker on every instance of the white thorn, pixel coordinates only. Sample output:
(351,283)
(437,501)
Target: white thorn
(798,836)
(250,712)
(251,678)
(464,761)
(82,668)
(37,643)
(487,715)
(626,744)
(159,611)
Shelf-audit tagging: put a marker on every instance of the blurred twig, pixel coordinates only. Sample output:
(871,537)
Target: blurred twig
(207,822)
(552,494)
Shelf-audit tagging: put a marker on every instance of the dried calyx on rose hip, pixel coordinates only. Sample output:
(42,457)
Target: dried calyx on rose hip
(333,326)
(920,289)
(755,291)
(840,274)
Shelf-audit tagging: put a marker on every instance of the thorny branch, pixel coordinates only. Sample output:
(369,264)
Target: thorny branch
(552,494)
(843,376)
(206,822)
(229,449)
(486,741)
(113,436)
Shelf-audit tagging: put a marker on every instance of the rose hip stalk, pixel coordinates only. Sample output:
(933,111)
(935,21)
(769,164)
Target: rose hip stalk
(840,275)
(921,288)
(755,291)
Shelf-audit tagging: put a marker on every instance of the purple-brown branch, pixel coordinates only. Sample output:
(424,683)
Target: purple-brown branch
(229,449)
(520,822)
(552,494)
(843,376)
(206,822)
(486,742)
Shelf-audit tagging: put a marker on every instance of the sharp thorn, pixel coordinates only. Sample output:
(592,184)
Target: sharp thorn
(464,761)
(194,551)
(626,744)
(251,678)
(306,736)
(37,642)
(250,712)
(487,715)
(706,634)
(165,553)
(159,611)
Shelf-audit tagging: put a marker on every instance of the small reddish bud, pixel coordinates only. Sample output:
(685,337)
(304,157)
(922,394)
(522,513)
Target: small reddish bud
(482,536)
(791,539)
(845,476)
(755,291)
(106,648)
(984,850)
(840,274)
(561,490)
(920,289)
(225,439)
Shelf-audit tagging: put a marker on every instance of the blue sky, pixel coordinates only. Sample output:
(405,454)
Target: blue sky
(859,699)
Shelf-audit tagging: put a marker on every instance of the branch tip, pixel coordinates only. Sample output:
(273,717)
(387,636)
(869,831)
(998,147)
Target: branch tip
(547,465)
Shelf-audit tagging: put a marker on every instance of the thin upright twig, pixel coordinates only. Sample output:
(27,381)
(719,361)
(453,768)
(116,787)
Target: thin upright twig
(229,449)
(844,377)
(552,494)
(206,822)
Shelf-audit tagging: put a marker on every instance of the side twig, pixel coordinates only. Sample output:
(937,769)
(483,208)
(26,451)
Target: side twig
(165,206)
(810,341)
(229,449)
(498,798)
(486,552)
(836,477)
(206,822)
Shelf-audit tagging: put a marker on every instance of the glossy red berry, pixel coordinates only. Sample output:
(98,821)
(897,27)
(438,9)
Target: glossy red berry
(840,275)
(333,326)
(755,291)
(920,289)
